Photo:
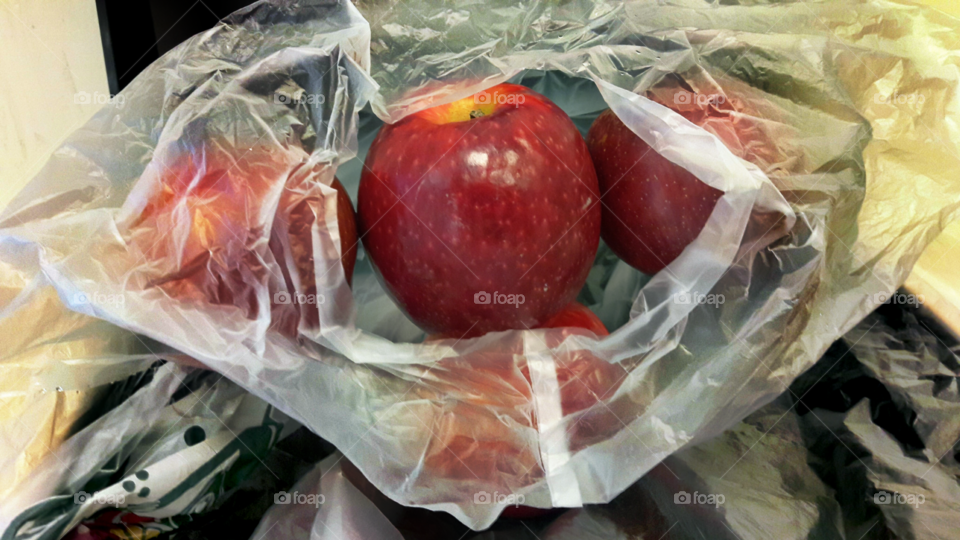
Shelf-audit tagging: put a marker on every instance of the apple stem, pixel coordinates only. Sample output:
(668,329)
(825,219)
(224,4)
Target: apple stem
(476,114)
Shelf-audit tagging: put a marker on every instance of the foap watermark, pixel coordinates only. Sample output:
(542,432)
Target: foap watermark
(82,497)
(80,298)
(712,499)
(313,499)
(899,99)
(298,98)
(695,98)
(886,497)
(486,98)
(283,297)
(98,98)
(900,299)
(483,497)
(688,298)
(483,297)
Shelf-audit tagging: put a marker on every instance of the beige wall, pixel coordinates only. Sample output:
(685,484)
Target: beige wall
(49,51)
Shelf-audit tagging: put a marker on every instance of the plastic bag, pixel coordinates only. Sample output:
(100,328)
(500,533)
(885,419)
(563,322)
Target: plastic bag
(59,369)
(880,421)
(172,450)
(434,425)
(754,481)
(340,509)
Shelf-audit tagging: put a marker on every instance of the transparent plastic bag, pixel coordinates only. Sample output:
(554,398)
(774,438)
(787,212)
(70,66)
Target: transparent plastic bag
(816,220)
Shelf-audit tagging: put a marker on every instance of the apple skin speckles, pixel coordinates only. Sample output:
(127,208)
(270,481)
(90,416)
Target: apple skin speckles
(506,202)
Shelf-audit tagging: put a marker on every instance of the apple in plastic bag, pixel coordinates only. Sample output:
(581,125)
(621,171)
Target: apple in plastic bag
(584,381)
(203,226)
(302,215)
(652,208)
(741,127)
(292,236)
(481,215)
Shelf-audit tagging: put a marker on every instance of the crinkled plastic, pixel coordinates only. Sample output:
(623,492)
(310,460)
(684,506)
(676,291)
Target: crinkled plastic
(892,452)
(340,510)
(180,200)
(172,450)
(57,481)
(754,481)
(59,369)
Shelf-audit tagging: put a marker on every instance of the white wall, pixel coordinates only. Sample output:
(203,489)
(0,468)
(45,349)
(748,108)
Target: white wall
(49,51)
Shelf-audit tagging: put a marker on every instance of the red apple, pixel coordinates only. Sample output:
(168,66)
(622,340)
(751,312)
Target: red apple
(577,315)
(463,205)
(198,228)
(582,378)
(740,127)
(294,222)
(203,228)
(652,208)
(584,381)
(303,214)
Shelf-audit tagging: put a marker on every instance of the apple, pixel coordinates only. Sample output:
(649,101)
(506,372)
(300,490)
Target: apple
(577,315)
(652,208)
(584,381)
(298,215)
(741,128)
(302,217)
(481,215)
(202,225)
(200,222)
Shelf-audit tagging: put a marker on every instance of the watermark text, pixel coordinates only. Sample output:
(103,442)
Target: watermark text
(82,497)
(693,298)
(712,499)
(483,297)
(886,497)
(483,497)
(313,499)
(284,297)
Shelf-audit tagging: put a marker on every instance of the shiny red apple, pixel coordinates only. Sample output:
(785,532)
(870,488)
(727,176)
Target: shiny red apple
(652,208)
(481,215)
